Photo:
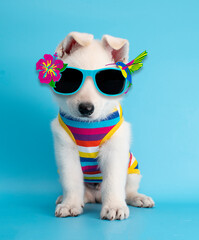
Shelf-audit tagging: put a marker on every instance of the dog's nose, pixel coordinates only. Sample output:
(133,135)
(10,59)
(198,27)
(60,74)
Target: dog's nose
(86,109)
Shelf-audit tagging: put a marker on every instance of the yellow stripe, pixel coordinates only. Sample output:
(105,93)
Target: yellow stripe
(132,169)
(92,178)
(135,163)
(66,128)
(121,111)
(88,155)
(135,171)
(113,130)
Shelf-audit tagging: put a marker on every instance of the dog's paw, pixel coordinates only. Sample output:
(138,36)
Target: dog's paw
(119,212)
(140,200)
(66,210)
(59,199)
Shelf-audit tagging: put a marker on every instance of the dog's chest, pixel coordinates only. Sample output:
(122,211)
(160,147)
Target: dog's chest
(89,136)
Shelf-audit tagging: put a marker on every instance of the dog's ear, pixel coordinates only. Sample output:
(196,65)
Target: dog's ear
(73,39)
(118,47)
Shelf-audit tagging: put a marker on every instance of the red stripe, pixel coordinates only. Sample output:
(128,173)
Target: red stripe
(94,172)
(88,143)
(90,131)
(130,160)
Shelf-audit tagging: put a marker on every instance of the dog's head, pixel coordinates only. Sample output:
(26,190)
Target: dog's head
(80,50)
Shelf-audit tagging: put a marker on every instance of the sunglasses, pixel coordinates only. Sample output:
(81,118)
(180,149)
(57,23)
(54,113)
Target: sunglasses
(108,81)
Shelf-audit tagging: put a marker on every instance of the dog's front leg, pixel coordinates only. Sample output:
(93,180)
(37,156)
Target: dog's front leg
(113,161)
(71,175)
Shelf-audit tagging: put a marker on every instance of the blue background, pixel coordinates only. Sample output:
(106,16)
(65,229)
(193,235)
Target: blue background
(163,108)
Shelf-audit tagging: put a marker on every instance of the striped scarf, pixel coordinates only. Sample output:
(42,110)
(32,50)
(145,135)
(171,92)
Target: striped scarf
(89,136)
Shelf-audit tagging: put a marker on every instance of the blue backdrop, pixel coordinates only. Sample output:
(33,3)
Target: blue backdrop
(163,106)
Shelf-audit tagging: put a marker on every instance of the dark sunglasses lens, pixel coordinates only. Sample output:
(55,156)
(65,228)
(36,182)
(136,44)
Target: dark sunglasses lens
(69,82)
(110,81)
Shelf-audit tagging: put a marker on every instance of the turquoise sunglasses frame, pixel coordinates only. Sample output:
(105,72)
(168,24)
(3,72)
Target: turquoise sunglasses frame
(92,73)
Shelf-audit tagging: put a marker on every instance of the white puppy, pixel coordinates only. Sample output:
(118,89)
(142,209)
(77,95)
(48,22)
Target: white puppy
(118,188)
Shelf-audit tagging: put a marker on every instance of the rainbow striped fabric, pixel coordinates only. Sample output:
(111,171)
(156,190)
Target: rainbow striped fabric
(89,136)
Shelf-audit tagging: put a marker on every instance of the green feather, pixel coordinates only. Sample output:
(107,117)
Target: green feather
(135,67)
(139,58)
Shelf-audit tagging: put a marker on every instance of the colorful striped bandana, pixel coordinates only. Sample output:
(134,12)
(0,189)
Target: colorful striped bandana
(89,136)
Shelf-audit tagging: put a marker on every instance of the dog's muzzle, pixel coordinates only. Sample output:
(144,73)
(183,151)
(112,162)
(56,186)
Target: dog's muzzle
(86,109)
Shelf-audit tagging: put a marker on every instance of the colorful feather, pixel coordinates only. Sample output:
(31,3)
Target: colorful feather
(135,67)
(136,64)
(140,57)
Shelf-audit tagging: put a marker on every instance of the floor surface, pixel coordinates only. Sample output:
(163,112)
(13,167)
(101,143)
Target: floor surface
(31,217)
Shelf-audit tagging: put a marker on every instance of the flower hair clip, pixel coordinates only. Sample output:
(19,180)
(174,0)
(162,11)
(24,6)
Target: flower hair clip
(130,67)
(49,69)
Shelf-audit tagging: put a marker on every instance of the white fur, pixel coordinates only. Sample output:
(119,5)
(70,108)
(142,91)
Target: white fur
(80,50)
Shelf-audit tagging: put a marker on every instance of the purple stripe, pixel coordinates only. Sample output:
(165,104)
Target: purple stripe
(95,137)
(90,168)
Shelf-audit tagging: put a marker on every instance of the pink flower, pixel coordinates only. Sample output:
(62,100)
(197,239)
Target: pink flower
(49,68)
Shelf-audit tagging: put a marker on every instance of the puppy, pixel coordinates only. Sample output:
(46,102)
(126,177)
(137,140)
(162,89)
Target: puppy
(88,105)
